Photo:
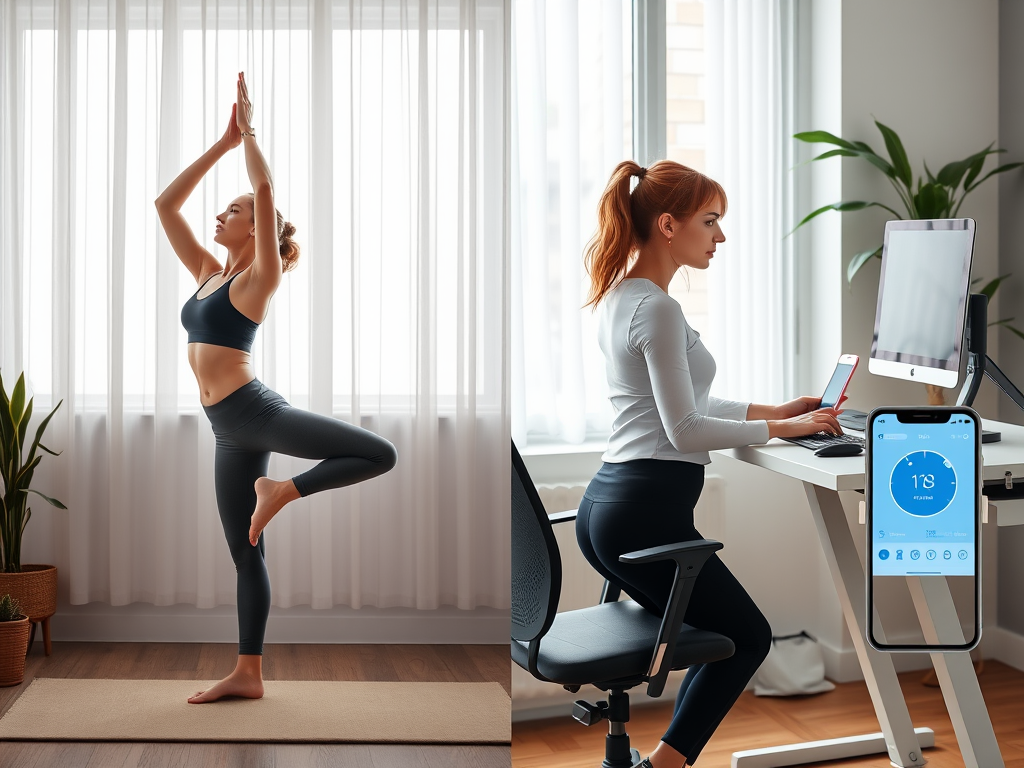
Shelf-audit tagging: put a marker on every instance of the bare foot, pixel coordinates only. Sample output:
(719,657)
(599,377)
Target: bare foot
(271,496)
(235,684)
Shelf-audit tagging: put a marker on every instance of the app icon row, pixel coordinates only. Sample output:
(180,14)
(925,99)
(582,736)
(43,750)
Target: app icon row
(929,554)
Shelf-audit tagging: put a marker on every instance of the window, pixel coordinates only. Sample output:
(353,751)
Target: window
(573,106)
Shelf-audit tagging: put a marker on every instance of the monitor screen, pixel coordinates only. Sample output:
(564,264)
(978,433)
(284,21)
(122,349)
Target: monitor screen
(922,300)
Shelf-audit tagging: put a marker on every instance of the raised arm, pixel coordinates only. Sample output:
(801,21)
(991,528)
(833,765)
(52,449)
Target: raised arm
(267,268)
(193,255)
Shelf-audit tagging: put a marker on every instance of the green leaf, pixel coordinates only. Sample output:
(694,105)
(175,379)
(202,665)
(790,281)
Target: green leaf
(993,172)
(18,401)
(842,207)
(928,173)
(859,260)
(897,154)
(952,173)
(974,169)
(52,453)
(42,428)
(24,477)
(1011,328)
(54,502)
(932,202)
(993,285)
(826,155)
(822,137)
(23,427)
(1004,321)
(880,164)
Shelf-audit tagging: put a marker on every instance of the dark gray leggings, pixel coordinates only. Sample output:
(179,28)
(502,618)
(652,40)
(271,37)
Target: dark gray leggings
(646,503)
(249,424)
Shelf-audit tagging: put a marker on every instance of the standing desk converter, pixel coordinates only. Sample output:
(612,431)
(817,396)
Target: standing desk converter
(823,479)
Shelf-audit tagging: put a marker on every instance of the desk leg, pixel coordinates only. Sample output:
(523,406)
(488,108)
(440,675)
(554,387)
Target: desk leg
(898,736)
(847,570)
(959,683)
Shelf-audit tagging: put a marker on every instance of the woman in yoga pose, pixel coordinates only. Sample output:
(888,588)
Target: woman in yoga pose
(666,422)
(249,420)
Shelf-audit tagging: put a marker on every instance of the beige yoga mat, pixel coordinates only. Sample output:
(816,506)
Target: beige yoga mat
(54,709)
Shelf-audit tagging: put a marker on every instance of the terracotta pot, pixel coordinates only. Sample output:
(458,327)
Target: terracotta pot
(35,588)
(13,648)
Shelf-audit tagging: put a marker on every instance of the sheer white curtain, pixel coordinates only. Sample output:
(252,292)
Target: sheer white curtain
(571,125)
(751,288)
(384,125)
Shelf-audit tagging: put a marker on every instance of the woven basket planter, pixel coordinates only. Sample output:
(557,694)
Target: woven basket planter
(35,588)
(13,648)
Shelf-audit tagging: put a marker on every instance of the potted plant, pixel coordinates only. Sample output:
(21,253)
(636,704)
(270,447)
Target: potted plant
(33,586)
(14,631)
(936,197)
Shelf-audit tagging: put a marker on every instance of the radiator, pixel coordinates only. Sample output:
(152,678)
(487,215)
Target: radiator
(582,585)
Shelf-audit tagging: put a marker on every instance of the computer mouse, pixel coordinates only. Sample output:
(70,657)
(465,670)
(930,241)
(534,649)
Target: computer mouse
(839,449)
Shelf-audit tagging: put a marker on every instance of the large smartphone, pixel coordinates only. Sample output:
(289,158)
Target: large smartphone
(840,379)
(923,505)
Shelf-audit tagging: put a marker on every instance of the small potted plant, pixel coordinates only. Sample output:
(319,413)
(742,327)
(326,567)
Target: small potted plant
(33,586)
(14,631)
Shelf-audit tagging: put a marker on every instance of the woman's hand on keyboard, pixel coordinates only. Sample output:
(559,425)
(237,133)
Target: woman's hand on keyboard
(823,420)
(801,405)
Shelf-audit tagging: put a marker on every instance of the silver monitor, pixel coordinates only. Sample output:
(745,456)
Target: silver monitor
(922,300)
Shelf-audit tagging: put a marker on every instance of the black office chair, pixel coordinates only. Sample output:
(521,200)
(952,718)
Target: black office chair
(614,645)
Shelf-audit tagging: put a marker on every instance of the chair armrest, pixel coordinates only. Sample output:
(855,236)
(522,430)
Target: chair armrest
(669,551)
(689,557)
(563,517)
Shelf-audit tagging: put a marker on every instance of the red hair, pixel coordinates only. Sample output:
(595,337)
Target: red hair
(625,218)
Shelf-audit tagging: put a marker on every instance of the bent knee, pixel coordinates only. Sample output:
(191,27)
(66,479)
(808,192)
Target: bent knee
(386,456)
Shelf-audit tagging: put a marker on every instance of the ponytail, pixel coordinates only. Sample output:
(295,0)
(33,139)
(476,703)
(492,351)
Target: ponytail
(608,253)
(625,219)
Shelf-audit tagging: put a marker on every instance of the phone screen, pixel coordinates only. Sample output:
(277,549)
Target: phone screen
(923,522)
(836,385)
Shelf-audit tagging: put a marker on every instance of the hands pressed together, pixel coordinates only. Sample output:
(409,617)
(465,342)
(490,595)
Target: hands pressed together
(241,116)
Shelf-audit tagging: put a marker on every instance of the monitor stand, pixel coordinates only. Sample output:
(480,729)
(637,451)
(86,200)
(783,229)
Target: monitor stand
(979,364)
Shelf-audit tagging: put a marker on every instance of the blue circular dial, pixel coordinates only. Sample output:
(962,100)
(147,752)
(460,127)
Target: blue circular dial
(923,483)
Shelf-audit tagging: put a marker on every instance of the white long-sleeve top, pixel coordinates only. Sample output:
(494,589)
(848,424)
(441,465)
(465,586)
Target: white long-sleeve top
(659,381)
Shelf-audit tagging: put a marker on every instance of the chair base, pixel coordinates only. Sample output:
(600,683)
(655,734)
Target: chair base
(617,752)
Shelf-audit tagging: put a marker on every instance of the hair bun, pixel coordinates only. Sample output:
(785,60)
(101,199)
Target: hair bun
(641,173)
(289,229)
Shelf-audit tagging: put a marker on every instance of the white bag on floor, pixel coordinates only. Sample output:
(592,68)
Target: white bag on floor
(794,667)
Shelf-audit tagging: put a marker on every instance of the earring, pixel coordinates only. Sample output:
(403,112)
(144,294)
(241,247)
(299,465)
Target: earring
(670,243)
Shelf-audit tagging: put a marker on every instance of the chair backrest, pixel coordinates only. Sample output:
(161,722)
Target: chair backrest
(536,565)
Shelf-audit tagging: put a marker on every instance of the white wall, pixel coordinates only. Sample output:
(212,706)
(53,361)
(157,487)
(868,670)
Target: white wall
(929,69)
(1011,259)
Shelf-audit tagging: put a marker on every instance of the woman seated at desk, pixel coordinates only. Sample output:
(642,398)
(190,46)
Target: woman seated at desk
(666,422)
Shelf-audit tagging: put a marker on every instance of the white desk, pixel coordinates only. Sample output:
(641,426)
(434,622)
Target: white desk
(823,478)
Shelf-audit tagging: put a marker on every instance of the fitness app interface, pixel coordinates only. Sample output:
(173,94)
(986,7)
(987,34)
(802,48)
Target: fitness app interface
(923,497)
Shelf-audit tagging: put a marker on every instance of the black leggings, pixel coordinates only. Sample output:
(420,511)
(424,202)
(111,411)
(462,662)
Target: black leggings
(649,502)
(249,424)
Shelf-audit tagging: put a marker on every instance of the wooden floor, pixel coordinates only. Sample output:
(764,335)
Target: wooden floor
(207,661)
(761,722)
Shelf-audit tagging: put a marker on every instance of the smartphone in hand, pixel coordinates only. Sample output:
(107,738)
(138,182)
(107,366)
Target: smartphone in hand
(841,377)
